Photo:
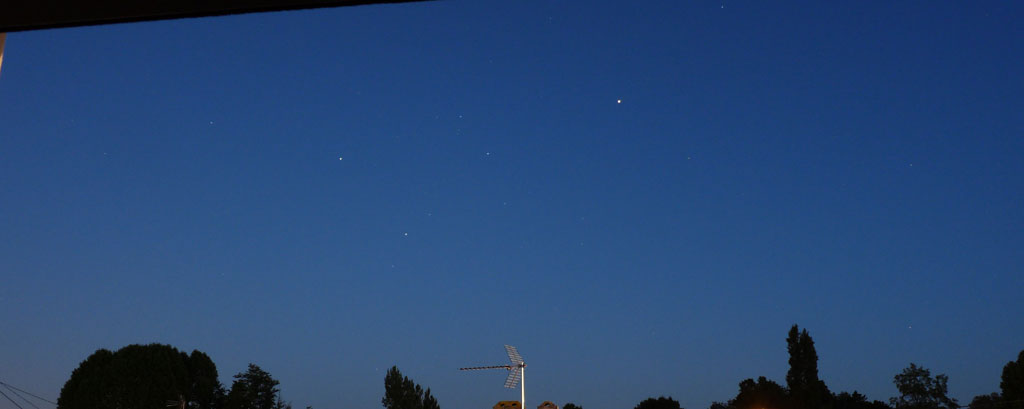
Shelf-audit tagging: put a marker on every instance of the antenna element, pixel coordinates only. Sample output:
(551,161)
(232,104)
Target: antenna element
(515,372)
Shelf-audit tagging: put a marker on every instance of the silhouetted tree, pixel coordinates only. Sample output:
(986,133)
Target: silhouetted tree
(400,392)
(659,403)
(990,401)
(206,392)
(918,390)
(90,385)
(429,402)
(719,405)
(139,376)
(806,391)
(1012,383)
(845,400)
(570,405)
(764,393)
(255,389)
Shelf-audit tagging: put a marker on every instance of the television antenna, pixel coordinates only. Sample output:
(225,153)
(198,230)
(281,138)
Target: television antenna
(515,373)
(177,404)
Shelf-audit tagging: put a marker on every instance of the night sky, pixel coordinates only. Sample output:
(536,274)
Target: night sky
(642,197)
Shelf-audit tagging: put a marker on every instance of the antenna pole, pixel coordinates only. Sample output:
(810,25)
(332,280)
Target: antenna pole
(522,385)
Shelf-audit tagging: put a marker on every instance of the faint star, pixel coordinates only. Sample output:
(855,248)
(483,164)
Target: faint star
(406,234)
(618,101)
(488,154)
(340,158)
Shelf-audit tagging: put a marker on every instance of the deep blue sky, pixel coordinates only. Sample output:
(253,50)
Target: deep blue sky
(855,169)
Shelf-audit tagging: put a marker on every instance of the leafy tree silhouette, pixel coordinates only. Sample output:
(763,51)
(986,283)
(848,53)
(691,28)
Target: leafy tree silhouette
(846,400)
(659,403)
(1012,383)
(142,376)
(255,389)
(990,401)
(400,392)
(918,390)
(764,393)
(805,389)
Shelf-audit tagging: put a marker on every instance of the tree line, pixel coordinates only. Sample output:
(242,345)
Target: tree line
(804,390)
(156,375)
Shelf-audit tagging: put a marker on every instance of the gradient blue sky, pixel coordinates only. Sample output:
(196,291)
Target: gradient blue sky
(852,168)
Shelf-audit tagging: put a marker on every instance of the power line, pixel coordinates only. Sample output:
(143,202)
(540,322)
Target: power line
(27,393)
(12,400)
(22,397)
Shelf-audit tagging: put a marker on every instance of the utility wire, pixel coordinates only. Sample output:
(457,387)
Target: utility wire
(12,400)
(28,393)
(22,397)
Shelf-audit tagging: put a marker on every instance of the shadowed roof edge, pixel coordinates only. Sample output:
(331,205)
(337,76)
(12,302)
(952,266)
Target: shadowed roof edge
(24,15)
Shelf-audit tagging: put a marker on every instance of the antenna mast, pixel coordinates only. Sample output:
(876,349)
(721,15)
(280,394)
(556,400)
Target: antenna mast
(515,374)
